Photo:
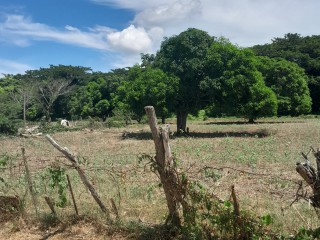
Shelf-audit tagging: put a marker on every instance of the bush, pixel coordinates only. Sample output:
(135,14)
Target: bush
(7,126)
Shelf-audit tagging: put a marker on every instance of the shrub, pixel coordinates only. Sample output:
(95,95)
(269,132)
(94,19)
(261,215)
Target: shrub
(7,126)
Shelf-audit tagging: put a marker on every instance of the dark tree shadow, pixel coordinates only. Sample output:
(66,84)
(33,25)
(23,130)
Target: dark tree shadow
(261,133)
(247,123)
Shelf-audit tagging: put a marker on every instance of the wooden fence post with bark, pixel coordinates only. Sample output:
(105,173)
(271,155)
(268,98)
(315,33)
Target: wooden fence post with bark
(83,177)
(29,182)
(173,189)
(311,176)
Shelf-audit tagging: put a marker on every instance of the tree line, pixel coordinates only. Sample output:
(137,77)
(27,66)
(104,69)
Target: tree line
(191,71)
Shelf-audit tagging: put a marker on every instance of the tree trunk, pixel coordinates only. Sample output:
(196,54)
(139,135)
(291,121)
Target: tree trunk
(24,110)
(182,121)
(163,120)
(251,120)
(47,114)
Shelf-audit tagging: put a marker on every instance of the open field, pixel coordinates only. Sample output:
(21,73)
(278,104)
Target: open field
(258,159)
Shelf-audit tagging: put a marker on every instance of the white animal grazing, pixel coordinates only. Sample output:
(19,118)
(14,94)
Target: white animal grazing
(65,123)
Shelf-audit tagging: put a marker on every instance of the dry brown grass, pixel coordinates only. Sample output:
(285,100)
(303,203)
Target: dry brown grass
(268,150)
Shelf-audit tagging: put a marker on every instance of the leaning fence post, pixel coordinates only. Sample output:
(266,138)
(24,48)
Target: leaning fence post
(82,176)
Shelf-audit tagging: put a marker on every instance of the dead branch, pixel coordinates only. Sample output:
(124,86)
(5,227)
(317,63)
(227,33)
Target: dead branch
(311,176)
(72,195)
(81,173)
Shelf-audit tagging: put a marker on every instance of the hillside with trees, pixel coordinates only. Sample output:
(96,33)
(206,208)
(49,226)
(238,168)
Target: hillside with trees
(191,71)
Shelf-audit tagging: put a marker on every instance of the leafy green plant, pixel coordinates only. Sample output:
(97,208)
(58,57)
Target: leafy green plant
(58,180)
(208,217)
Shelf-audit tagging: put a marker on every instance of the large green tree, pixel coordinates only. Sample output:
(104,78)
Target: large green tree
(147,86)
(234,85)
(289,82)
(183,55)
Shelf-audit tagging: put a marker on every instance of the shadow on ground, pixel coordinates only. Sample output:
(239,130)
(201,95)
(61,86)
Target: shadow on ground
(247,123)
(261,133)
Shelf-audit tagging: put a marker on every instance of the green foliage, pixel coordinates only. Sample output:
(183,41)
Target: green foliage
(266,219)
(53,127)
(307,234)
(58,180)
(304,51)
(233,83)
(122,116)
(183,55)
(289,83)
(93,98)
(102,108)
(147,87)
(7,126)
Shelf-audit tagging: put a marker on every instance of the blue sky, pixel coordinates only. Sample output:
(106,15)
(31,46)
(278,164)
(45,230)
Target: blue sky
(108,34)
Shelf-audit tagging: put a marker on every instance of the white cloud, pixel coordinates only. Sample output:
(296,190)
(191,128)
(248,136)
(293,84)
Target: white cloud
(12,67)
(133,5)
(72,29)
(168,13)
(131,40)
(245,22)
(21,31)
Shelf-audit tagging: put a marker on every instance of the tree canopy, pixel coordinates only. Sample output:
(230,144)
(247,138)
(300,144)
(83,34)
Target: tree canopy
(234,85)
(191,71)
(304,51)
(289,82)
(147,87)
(183,55)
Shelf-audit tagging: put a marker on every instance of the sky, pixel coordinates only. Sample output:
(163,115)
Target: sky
(110,34)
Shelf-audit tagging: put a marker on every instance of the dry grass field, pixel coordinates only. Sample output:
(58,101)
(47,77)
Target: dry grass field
(258,159)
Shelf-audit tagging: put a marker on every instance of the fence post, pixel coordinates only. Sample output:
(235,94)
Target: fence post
(29,182)
(165,168)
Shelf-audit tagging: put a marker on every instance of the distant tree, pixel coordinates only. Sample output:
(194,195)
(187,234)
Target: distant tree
(53,83)
(304,51)
(183,55)
(49,91)
(93,97)
(289,82)
(234,84)
(147,86)
(147,59)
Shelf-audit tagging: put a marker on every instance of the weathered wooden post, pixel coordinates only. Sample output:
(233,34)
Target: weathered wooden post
(164,165)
